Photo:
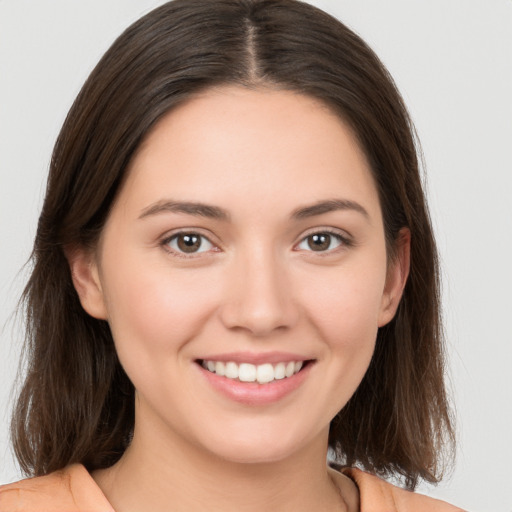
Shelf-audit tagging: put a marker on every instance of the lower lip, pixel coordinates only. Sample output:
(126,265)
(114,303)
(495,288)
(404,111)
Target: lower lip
(253,393)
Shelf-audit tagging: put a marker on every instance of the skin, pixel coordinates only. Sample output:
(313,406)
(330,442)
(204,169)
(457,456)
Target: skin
(255,286)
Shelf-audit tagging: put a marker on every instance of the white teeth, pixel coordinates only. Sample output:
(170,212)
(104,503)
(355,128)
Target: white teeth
(220,368)
(265,373)
(280,371)
(247,372)
(231,371)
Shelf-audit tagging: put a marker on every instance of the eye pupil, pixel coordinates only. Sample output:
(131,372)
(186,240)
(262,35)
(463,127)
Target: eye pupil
(189,243)
(319,242)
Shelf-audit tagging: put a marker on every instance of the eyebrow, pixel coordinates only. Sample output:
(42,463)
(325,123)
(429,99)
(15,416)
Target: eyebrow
(215,212)
(330,205)
(187,207)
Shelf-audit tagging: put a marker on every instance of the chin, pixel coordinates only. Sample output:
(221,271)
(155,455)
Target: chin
(262,447)
(254,455)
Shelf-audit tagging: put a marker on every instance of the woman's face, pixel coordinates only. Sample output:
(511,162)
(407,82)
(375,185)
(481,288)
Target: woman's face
(247,240)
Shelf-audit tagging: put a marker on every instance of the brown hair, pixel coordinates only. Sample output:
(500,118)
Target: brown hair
(77,404)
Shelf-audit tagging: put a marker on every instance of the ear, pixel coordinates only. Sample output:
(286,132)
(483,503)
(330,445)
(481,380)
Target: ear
(397,274)
(85,276)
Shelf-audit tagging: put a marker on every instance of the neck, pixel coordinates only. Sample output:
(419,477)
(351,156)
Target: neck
(163,472)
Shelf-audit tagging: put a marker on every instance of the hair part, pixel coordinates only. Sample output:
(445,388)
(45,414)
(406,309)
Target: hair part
(77,403)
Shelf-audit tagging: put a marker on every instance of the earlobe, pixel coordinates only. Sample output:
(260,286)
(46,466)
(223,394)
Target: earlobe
(397,275)
(85,276)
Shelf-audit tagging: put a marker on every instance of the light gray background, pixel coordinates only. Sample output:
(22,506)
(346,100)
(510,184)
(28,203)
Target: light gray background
(452,60)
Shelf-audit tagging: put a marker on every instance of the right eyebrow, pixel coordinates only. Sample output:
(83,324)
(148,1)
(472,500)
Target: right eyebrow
(187,207)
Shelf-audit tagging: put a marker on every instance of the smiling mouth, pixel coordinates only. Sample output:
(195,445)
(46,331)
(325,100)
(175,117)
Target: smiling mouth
(260,373)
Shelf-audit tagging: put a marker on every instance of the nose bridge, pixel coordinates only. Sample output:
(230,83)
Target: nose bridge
(259,297)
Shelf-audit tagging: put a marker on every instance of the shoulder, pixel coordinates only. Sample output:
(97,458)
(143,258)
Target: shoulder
(377,495)
(71,489)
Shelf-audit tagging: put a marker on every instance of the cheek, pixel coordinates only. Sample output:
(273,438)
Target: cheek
(155,312)
(349,326)
(345,312)
(345,304)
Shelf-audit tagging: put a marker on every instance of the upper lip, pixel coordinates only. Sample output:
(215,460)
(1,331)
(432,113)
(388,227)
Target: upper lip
(256,358)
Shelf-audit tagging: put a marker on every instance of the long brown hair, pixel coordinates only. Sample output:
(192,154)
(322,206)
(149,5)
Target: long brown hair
(77,404)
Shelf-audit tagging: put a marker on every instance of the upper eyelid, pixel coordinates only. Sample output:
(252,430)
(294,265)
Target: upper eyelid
(329,230)
(186,231)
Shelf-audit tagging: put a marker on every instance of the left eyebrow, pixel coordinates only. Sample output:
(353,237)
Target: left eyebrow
(330,205)
(187,207)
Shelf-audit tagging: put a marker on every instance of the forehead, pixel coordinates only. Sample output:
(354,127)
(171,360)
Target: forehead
(268,147)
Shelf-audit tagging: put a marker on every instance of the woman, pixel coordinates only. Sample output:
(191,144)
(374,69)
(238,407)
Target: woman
(234,271)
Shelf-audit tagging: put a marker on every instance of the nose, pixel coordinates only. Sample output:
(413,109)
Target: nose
(259,298)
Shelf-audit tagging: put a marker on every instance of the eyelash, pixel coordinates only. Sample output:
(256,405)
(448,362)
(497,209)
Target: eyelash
(344,241)
(165,243)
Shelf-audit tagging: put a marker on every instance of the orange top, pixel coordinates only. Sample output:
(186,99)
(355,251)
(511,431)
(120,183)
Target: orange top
(377,495)
(72,489)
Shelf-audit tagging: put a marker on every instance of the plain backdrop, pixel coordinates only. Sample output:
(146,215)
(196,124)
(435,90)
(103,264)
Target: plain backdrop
(452,60)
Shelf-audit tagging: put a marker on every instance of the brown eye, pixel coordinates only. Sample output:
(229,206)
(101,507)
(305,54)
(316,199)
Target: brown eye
(321,242)
(189,243)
